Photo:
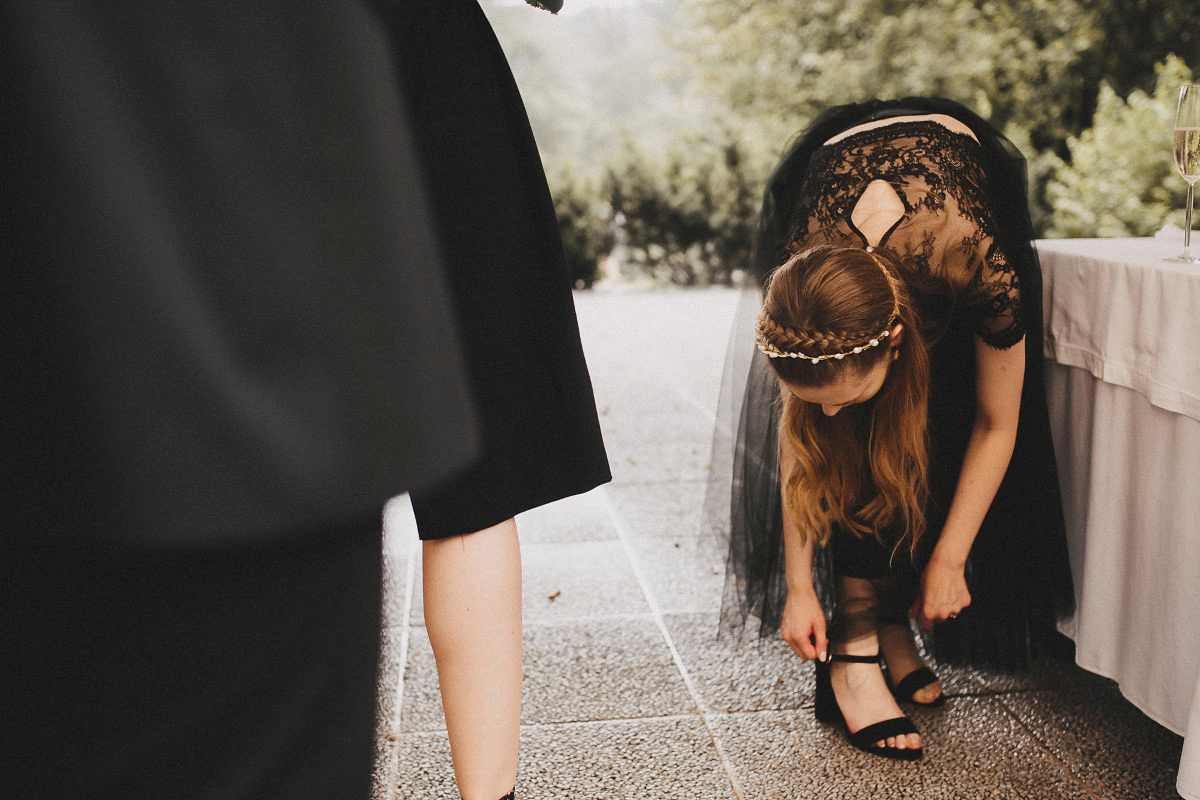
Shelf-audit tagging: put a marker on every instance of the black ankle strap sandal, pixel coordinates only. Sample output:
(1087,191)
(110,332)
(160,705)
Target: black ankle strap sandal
(918,679)
(826,709)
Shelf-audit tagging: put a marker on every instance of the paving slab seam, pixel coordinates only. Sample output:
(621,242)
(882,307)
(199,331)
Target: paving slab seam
(565,621)
(440,728)
(685,396)
(394,728)
(1097,793)
(1001,692)
(580,723)
(624,536)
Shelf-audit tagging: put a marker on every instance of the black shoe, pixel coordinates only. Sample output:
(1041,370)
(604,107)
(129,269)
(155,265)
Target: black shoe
(510,796)
(826,709)
(919,678)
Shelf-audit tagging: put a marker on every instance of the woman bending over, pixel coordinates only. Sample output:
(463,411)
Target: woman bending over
(893,454)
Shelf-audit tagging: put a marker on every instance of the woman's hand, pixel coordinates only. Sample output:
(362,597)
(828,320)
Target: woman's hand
(943,593)
(803,625)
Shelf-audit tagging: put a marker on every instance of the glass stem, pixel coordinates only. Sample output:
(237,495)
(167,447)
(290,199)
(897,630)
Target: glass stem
(1187,221)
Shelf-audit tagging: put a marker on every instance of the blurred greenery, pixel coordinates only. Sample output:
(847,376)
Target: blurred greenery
(689,216)
(672,112)
(1120,179)
(585,221)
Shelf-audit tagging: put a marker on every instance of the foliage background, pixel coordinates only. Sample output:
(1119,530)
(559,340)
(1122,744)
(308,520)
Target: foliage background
(659,120)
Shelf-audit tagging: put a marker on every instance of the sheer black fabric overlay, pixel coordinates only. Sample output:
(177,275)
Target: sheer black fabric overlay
(965,245)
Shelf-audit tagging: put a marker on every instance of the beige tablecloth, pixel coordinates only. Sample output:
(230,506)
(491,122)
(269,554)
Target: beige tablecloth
(1123,385)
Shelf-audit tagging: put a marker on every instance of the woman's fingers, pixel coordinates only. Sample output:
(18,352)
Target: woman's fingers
(821,643)
(809,644)
(930,615)
(802,646)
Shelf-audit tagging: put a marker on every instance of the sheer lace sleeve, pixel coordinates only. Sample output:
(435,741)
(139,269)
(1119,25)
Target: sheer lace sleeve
(994,298)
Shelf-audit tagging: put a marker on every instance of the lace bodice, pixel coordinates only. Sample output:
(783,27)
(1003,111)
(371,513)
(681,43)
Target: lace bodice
(945,239)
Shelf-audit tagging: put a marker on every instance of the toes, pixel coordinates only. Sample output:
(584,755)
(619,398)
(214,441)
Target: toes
(910,741)
(927,694)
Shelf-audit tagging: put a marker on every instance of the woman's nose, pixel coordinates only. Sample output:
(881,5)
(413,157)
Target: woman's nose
(830,410)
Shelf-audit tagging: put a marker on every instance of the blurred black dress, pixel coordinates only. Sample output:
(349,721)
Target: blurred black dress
(507,275)
(964,245)
(226,343)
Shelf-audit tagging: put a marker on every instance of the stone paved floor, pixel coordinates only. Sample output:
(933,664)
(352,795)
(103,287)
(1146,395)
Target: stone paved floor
(628,691)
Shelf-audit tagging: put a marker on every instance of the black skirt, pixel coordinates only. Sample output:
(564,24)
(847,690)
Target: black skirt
(508,280)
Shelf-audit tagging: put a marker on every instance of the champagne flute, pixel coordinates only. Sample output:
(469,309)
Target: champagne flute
(1187,157)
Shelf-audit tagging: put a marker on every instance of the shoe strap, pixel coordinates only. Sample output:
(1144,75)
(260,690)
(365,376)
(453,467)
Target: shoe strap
(919,678)
(899,726)
(854,659)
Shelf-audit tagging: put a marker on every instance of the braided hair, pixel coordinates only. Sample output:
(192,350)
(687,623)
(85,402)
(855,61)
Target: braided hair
(828,314)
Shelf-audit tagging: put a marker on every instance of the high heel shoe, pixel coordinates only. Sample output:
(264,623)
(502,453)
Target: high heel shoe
(918,679)
(826,709)
(905,691)
(510,796)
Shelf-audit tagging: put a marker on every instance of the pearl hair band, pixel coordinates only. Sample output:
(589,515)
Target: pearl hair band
(774,352)
(771,351)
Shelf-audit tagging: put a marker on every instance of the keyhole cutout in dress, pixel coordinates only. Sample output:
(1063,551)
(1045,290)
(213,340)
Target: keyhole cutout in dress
(878,210)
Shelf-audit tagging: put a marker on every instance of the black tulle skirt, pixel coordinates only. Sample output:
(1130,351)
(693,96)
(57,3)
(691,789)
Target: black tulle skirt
(1018,571)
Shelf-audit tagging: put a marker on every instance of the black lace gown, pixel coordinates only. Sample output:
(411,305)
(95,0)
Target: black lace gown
(964,244)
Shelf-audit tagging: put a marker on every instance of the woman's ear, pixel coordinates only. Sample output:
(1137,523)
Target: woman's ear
(897,334)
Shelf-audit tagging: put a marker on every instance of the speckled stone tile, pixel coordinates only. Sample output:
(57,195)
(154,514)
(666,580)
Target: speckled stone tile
(581,518)
(732,675)
(593,670)
(399,530)
(390,671)
(384,767)
(673,509)
(974,749)
(399,526)
(1103,738)
(643,422)
(1049,673)
(667,461)
(669,759)
(569,580)
(739,672)
(684,574)
(395,575)
(582,579)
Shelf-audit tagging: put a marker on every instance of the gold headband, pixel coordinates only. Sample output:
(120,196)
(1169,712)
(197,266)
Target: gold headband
(772,351)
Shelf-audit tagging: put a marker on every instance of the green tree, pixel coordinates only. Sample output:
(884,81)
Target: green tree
(687,217)
(769,59)
(1033,63)
(585,222)
(1121,179)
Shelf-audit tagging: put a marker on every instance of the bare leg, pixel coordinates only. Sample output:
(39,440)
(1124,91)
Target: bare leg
(472,589)
(860,689)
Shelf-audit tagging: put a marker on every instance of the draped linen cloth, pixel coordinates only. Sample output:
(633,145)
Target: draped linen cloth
(1123,382)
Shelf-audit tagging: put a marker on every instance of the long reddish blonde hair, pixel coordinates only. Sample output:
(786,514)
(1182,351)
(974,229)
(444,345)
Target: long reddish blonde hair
(864,473)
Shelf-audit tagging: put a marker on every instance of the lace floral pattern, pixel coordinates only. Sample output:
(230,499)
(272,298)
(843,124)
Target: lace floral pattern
(945,240)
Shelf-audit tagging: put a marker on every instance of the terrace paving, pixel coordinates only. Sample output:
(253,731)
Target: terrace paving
(630,693)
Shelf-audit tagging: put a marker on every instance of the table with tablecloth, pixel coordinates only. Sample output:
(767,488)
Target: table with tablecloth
(1123,386)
